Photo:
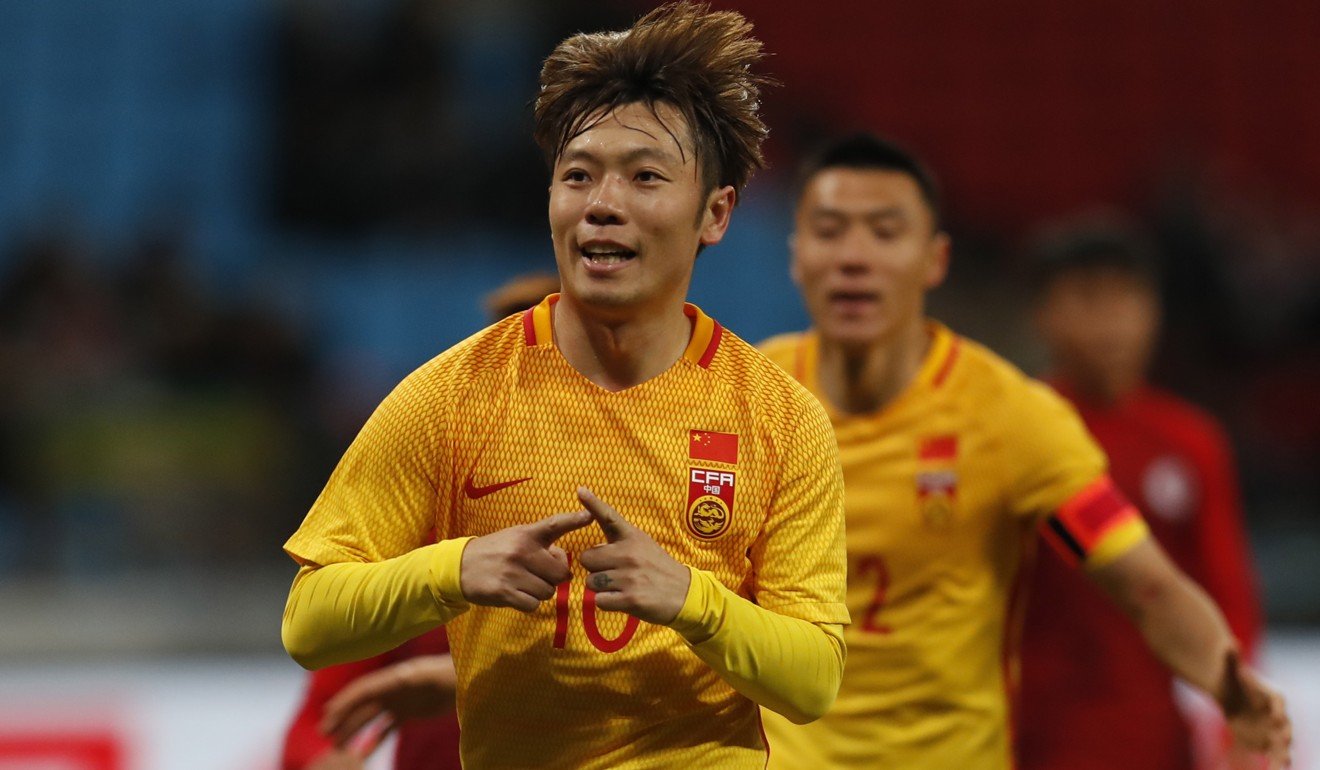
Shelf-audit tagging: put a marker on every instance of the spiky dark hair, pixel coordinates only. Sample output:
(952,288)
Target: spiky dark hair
(682,54)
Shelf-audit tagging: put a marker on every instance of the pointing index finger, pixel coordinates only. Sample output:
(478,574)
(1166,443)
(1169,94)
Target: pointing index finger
(611,522)
(551,528)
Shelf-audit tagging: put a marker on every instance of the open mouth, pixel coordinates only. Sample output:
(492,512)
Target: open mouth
(606,254)
(853,301)
(854,296)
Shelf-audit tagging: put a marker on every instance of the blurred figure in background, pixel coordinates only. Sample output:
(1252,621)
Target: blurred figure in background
(342,699)
(520,293)
(427,739)
(1093,695)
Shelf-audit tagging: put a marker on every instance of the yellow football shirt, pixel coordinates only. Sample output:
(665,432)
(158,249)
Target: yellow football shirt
(723,459)
(944,489)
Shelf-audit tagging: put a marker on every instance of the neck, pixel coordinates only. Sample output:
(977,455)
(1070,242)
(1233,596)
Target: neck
(861,380)
(618,353)
(1098,391)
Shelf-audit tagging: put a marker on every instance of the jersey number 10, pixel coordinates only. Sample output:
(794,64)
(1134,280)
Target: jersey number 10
(589,625)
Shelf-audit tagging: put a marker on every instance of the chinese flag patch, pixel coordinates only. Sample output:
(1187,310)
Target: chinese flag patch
(938,448)
(716,447)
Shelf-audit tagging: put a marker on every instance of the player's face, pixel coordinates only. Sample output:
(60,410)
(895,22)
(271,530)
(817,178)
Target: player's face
(628,209)
(865,252)
(1100,325)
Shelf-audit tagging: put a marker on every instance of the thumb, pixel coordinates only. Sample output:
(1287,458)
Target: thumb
(1238,692)
(551,528)
(610,521)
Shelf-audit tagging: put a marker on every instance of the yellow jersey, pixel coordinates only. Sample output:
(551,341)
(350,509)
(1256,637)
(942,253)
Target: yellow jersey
(944,490)
(723,459)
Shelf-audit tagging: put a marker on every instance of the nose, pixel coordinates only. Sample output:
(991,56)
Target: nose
(853,253)
(605,205)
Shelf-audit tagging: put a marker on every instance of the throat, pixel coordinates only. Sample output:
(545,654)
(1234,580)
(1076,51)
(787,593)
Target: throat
(865,380)
(620,354)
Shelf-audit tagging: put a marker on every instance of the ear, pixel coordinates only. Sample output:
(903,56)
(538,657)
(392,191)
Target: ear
(937,265)
(794,269)
(716,214)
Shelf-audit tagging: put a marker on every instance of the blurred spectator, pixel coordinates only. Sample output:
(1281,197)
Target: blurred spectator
(141,419)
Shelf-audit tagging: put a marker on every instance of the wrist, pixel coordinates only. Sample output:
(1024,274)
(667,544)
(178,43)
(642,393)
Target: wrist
(682,582)
(447,571)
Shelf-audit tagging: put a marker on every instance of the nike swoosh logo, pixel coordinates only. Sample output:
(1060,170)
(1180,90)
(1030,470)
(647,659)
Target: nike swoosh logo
(475,492)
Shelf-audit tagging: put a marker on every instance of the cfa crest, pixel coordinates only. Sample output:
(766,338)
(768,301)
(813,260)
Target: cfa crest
(708,518)
(710,502)
(937,479)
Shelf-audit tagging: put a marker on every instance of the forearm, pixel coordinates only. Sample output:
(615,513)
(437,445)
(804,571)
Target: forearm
(1180,623)
(788,665)
(1187,632)
(353,610)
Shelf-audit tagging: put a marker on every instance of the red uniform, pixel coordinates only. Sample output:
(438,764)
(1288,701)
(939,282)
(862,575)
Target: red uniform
(1093,695)
(423,744)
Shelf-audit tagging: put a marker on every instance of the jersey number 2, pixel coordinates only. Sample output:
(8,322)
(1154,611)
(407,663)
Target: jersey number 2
(868,566)
(589,625)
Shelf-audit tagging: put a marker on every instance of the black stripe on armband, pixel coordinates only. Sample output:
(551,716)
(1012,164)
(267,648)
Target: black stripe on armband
(1067,539)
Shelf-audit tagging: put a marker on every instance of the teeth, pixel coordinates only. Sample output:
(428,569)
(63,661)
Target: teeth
(605,255)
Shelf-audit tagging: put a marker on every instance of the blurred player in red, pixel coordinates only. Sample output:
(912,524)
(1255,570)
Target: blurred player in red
(1093,695)
(341,698)
(429,743)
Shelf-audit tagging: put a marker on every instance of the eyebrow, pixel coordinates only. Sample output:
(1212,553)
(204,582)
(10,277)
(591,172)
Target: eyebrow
(631,156)
(888,212)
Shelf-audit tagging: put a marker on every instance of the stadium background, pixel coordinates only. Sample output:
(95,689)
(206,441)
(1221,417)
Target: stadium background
(226,229)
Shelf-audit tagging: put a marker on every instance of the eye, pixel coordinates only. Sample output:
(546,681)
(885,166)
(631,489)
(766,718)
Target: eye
(575,176)
(648,175)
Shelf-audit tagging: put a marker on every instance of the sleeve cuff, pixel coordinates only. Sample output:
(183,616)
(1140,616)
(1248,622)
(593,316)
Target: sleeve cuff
(446,572)
(702,612)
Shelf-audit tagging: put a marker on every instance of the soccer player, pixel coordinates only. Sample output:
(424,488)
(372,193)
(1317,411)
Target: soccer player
(643,631)
(417,696)
(952,459)
(1098,309)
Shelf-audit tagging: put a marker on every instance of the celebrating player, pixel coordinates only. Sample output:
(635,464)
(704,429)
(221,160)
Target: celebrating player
(952,459)
(1097,307)
(642,631)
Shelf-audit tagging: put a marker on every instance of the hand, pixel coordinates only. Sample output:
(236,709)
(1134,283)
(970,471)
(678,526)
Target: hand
(418,687)
(1255,713)
(336,759)
(519,566)
(631,573)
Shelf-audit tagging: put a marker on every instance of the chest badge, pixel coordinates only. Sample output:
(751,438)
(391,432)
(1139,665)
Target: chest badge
(937,479)
(711,489)
(1170,488)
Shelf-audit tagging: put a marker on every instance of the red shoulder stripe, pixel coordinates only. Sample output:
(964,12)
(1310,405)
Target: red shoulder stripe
(529,326)
(716,333)
(947,366)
